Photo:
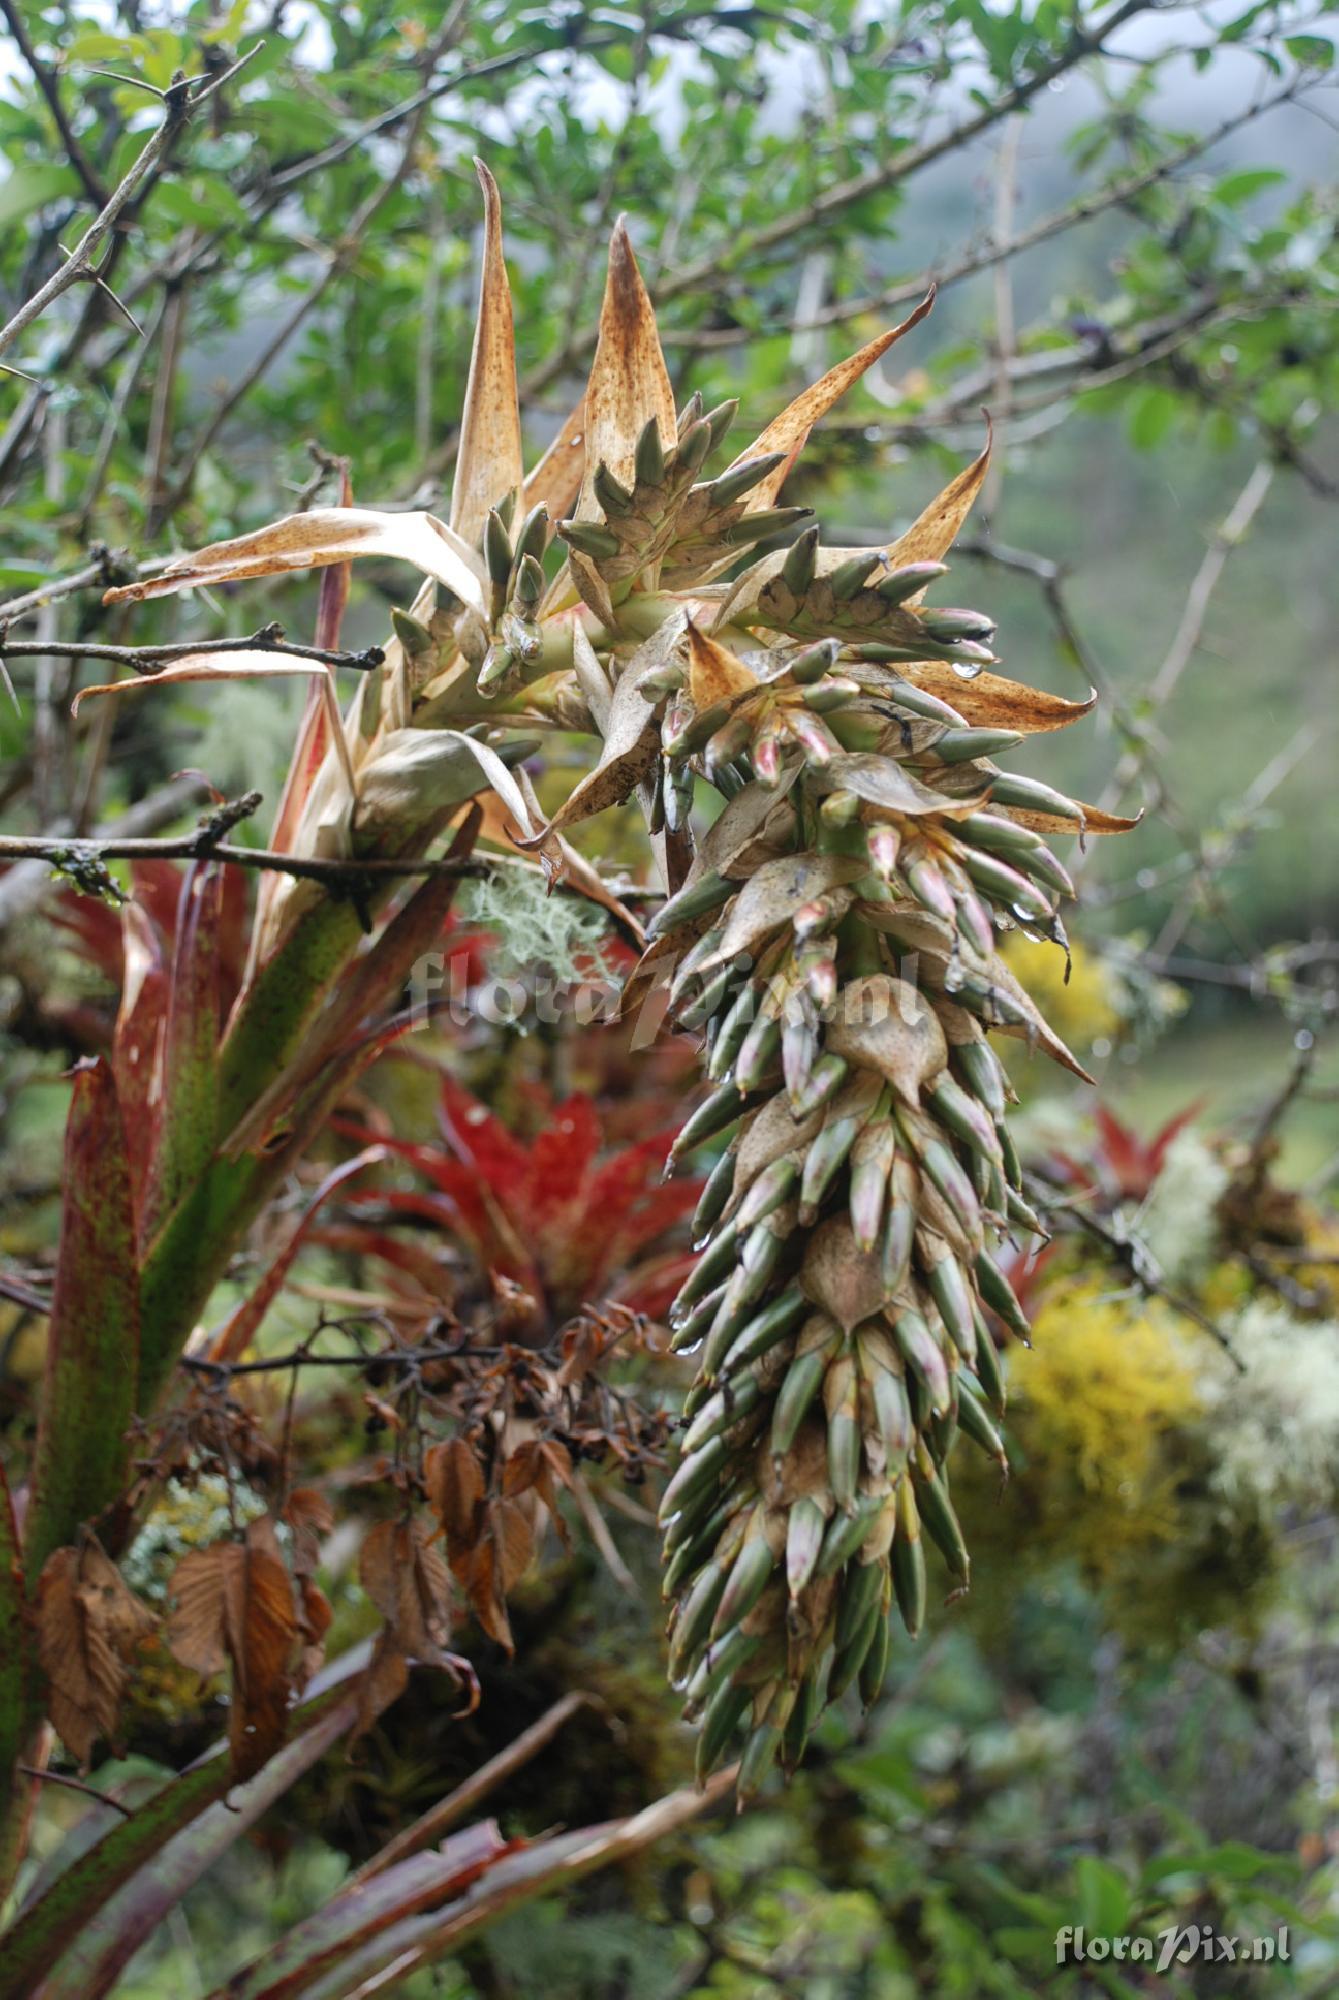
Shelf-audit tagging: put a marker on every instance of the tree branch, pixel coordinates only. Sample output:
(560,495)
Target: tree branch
(78,265)
(995,250)
(148,659)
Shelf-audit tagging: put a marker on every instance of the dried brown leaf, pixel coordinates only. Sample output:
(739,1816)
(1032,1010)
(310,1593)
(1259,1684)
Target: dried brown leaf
(590,587)
(315,1617)
(207,1587)
(773,894)
(496,1564)
(385,1680)
(454,1481)
(234,1606)
(267,1651)
(310,1518)
(1095,820)
(243,665)
(990,701)
(714,673)
(88,1627)
(882,781)
(631,741)
(406,1577)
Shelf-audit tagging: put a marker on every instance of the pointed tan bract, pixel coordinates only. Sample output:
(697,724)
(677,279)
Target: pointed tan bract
(488,459)
(789,431)
(629,382)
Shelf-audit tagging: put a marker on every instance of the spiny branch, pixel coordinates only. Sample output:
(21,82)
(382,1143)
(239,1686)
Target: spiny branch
(148,659)
(179,100)
(86,860)
(1128,1253)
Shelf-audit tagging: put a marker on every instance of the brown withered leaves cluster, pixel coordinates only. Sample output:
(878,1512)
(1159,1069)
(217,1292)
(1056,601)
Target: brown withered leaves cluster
(486,1438)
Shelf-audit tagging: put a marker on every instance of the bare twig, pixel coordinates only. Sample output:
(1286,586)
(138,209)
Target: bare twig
(76,1785)
(999,248)
(448,1812)
(179,101)
(113,426)
(148,659)
(164,391)
(1230,534)
(1129,1254)
(25,887)
(900,165)
(1006,332)
(88,857)
(108,566)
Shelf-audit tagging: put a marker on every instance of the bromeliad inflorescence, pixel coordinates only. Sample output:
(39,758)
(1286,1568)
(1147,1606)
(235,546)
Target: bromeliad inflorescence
(830,936)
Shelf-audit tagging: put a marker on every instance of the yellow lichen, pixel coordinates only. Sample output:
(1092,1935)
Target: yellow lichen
(1095,1400)
(1084,1010)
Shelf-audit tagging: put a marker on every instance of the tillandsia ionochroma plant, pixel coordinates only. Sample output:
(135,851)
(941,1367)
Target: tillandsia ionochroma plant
(831,938)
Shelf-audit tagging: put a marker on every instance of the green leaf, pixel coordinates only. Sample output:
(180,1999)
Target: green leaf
(1234,189)
(1152,414)
(1103,1897)
(1312,51)
(29,188)
(210,203)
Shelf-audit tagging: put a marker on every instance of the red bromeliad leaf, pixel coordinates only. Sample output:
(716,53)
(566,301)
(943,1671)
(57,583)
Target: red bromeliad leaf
(393,1942)
(356,1916)
(556,1215)
(137,1041)
(115,1897)
(92,1359)
(14,1637)
(188,1114)
(88,1628)
(241,1328)
(1121,1162)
